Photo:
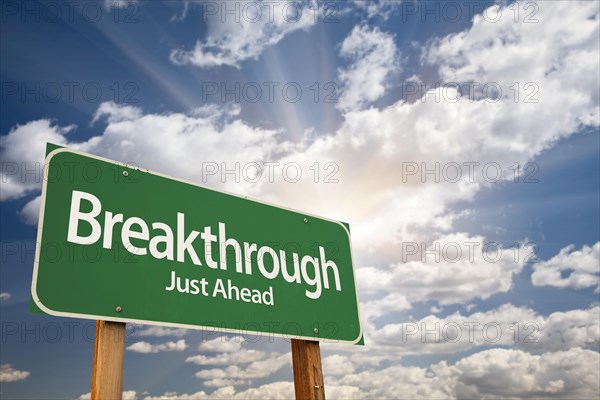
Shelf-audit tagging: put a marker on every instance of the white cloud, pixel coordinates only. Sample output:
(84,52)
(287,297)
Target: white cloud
(224,382)
(393,208)
(116,113)
(374,8)
(436,310)
(394,337)
(254,370)
(222,344)
(4,296)
(563,330)
(172,139)
(492,374)
(270,391)
(241,356)
(389,382)
(373,59)
(126,395)
(9,374)
(108,4)
(158,331)
(22,154)
(505,326)
(583,267)
(500,373)
(558,54)
(370,148)
(390,303)
(259,26)
(129,395)
(31,212)
(145,347)
(337,365)
(373,309)
(181,16)
(454,269)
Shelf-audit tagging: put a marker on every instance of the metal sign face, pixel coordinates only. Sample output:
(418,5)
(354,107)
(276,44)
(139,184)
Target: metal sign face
(123,244)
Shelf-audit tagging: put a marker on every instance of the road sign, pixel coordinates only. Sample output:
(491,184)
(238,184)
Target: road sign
(124,244)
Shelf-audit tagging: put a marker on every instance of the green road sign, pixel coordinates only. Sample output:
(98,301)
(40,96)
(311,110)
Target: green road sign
(125,244)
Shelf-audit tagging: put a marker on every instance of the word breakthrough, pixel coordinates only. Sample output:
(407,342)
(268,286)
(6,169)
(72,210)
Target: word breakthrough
(179,244)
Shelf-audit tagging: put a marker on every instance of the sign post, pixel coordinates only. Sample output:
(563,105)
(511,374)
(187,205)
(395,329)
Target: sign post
(109,349)
(308,372)
(122,244)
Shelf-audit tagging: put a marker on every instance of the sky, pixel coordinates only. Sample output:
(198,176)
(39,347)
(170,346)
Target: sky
(459,140)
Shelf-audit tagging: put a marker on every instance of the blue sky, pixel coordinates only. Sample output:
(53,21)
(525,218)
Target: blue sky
(371,89)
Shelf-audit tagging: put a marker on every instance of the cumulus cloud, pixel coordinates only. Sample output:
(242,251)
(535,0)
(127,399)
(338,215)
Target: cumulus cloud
(388,382)
(545,54)
(501,373)
(116,113)
(392,302)
(505,326)
(31,212)
(270,391)
(222,344)
(387,209)
(231,354)
(254,370)
(24,146)
(145,347)
(454,269)
(224,382)
(127,395)
(393,337)
(9,374)
(448,136)
(255,27)
(394,207)
(494,374)
(22,154)
(373,58)
(337,365)
(158,331)
(372,149)
(582,266)
(563,330)
(242,356)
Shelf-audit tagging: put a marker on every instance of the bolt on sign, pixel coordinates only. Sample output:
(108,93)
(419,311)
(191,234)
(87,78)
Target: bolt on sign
(124,244)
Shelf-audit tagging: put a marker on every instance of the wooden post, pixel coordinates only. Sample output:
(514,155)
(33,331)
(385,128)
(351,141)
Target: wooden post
(109,349)
(308,373)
